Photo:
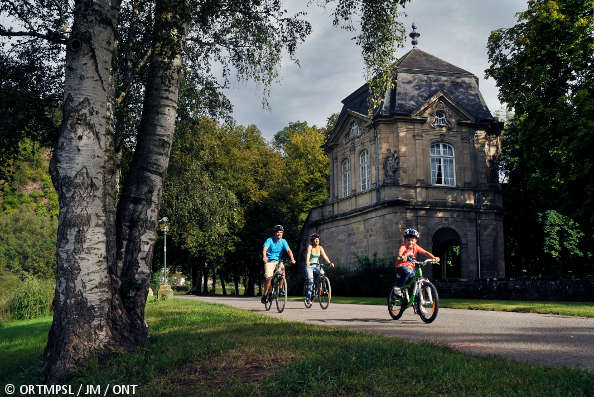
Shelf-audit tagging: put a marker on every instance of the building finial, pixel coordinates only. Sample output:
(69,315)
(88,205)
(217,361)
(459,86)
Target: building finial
(414,35)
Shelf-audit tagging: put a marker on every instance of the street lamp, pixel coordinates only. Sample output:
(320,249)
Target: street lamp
(164,226)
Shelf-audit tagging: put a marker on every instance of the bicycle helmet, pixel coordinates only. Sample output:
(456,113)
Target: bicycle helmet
(411,233)
(276,228)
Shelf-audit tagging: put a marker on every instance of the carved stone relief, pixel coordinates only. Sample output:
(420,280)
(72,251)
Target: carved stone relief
(440,116)
(391,167)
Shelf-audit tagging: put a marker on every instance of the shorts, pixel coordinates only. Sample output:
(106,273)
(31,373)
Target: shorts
(403,275)
(270,268)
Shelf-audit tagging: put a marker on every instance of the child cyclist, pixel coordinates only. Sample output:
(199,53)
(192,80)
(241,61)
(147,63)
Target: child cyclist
(405,270)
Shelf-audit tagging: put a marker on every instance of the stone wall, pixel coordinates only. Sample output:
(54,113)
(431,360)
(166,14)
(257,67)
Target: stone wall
(377,230)
(578,289)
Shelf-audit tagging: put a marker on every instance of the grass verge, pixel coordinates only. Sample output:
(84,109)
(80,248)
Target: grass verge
(200,349)
(577,309)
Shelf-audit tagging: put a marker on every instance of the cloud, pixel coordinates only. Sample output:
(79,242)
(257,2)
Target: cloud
(331,65)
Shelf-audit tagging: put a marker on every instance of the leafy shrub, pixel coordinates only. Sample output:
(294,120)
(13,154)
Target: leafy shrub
(28,245)
(33,298)
(155,282)
(8,284)
(372,277)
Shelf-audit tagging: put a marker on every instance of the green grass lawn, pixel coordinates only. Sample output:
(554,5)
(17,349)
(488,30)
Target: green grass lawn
(580,309)
(205,349)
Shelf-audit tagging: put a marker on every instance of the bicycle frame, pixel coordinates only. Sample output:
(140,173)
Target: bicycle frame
(317,276)
(418,276)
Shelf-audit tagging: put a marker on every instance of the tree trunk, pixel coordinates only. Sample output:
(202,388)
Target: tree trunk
(141,196)
(236,283)
(196,279)
(104,256)
(205,278)
(83,169)
(249,291)
(214,283)
(222,283)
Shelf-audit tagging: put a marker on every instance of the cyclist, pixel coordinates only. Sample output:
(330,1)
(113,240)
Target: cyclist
(408,251)
(271,255)
(312,262)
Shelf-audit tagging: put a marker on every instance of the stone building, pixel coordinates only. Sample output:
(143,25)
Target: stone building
(427,159)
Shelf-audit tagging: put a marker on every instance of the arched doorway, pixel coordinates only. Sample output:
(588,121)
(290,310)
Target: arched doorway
(447,245)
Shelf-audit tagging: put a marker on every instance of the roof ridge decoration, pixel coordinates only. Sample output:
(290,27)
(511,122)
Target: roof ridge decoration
(414,35)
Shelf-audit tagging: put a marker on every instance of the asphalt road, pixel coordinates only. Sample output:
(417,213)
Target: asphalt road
(538,339)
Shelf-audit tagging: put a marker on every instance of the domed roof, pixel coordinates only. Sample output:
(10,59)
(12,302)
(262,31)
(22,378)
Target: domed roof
(419,76)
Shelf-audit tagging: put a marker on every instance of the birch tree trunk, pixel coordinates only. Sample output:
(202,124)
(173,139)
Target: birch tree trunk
(104,255)
(139,205)
(83,170)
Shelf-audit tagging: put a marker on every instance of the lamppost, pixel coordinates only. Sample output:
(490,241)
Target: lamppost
(165,288)
(164,226)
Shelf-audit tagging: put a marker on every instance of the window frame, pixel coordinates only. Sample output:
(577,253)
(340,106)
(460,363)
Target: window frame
(365,172)
(346,187)
(445,162)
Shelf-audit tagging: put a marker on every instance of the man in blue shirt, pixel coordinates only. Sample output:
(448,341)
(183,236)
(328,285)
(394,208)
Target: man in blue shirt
(271,255)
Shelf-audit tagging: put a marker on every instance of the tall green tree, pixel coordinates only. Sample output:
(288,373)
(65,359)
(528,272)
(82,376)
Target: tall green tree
(543,67)
(106,231)
(305,178)
(205,214)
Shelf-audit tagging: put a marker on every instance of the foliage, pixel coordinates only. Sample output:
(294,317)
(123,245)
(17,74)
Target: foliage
(8,284)
(372,277)
(562,236)
(29,243)
(306,172)
(31,184)
(30,96)
(32,298)
(28,216)
(543,67)
(204,213)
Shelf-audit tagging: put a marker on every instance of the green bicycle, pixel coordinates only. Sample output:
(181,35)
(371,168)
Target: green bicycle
(420,293)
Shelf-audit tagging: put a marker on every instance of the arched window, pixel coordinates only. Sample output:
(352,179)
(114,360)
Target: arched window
(364,163)
(355,131)
(442,165)
(346,178)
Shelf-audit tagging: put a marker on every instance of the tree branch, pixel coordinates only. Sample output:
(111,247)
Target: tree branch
(49,36)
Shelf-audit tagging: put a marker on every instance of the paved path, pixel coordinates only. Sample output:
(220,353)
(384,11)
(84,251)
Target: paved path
(539,339)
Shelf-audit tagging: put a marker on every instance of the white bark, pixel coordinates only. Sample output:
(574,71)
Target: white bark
(104,256)
(141,198)
(83,173)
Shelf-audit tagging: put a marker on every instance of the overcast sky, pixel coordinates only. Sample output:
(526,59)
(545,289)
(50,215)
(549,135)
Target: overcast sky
(331,65)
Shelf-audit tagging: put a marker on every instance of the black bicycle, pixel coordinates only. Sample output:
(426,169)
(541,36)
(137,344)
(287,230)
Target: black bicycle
(419,292)
(321,289)
(278,290)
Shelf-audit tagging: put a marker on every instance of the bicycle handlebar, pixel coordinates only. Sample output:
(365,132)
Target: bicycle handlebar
(416,262)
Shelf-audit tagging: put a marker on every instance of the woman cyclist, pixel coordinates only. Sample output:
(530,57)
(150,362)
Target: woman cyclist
(312,262)
(405,270)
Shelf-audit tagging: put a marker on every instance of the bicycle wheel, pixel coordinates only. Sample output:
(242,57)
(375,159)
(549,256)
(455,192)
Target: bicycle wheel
(281,294)
(269,296)
(396,303)
(325,291)
(305,301)
(428,302)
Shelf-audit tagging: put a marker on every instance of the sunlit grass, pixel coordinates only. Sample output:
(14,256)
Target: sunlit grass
(199,348)
(579,309)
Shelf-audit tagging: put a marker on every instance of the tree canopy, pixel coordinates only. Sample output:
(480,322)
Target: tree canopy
(543,67)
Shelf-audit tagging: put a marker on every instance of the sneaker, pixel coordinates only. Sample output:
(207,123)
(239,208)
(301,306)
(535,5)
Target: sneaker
(263,300)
